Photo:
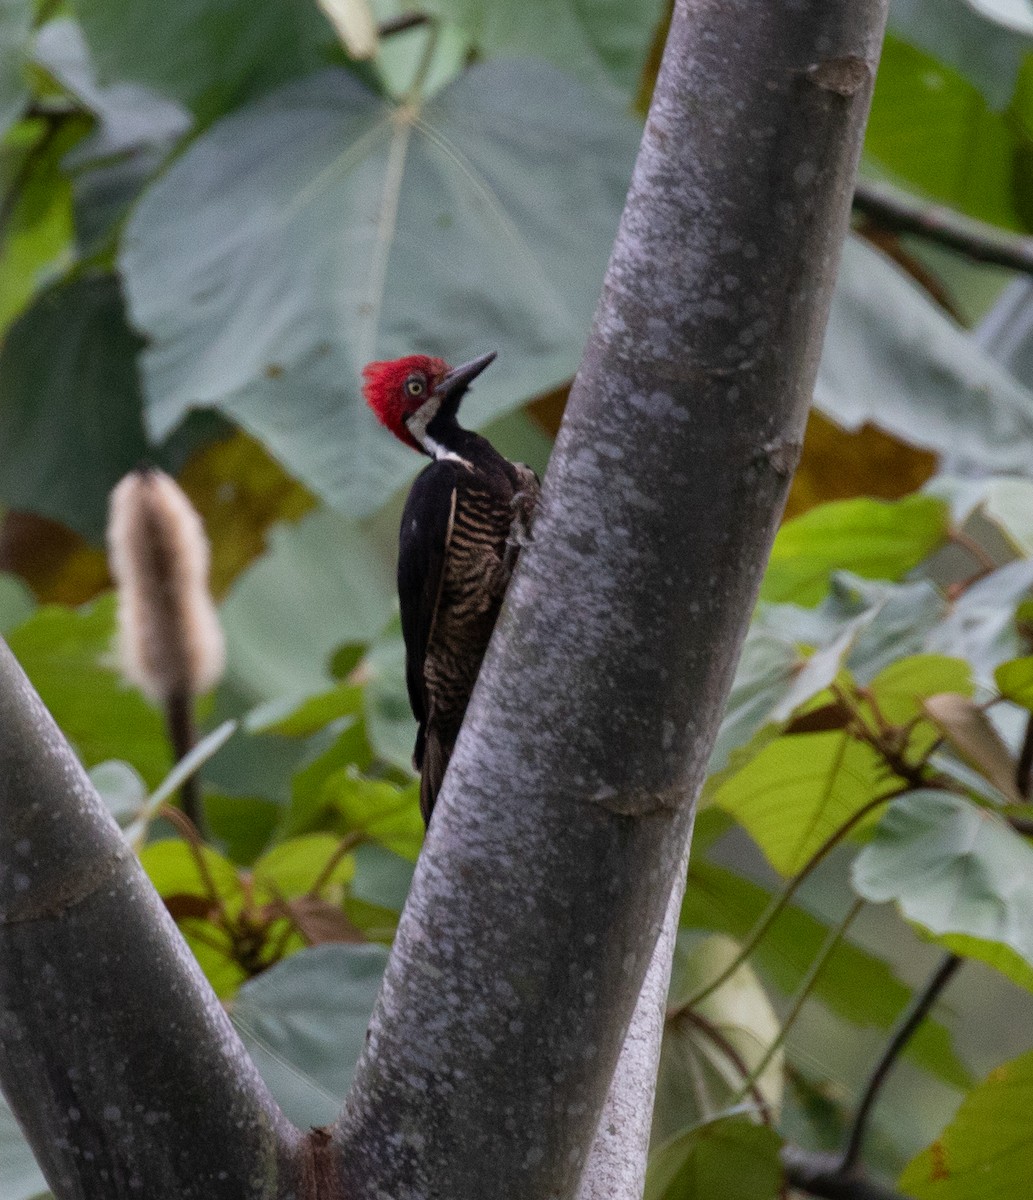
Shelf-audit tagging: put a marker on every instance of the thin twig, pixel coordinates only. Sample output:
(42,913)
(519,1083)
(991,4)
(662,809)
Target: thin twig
(781,900)
(912,1018)
(347,844)
(405,22)
(1024,770)
(711,1031)
(892,209)
(195,843)
(802,995)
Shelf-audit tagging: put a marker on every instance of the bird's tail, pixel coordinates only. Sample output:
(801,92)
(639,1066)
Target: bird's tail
(435,763)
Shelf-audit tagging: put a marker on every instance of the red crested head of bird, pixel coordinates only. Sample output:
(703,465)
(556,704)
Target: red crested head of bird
(399,389)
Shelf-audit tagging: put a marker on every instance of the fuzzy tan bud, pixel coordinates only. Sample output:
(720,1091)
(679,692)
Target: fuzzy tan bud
(170,643)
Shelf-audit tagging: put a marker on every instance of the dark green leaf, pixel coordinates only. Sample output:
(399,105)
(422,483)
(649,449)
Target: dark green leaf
(729,1157)
(63,652)
(244,824)
(389,719)
(135,130)
(304,1023)
(322,207)
(182,49)
(311,804)
(960,873)
(70,423)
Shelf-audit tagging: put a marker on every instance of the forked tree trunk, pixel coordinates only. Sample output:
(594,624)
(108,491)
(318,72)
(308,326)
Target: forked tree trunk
(565,816)
(537,901)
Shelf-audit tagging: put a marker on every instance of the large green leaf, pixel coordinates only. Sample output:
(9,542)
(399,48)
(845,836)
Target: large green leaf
(70,423)
(304,1023)
(980,626)
(987,1150)
(322,582)
(15,39)
(323,227)
(605,42)
(894,358)
(1012,14)
(134,131)
(931,128)
(960,873)
(875,538)
(799,790)
(64,652)
(854,984)
(729,1157)
(20,1178)
(972,36)
(16,603)
(209,55)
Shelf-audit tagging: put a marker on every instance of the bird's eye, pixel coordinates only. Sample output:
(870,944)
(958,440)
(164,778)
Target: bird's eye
(415,386)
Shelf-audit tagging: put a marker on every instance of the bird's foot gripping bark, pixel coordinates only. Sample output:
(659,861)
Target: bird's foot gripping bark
(523,505)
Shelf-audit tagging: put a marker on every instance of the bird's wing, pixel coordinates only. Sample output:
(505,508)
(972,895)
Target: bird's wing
(426,531)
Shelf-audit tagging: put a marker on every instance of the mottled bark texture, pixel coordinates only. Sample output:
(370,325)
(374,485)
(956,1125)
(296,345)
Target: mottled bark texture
(539,896)
(115,1055)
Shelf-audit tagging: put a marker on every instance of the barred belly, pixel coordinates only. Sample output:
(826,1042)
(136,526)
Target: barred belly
(473,587)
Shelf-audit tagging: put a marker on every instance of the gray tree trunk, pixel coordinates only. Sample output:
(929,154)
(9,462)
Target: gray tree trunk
(539,896)
(563,823)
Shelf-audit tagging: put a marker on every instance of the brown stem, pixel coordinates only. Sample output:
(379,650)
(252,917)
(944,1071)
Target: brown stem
(179,718)
(892,209)
(912,1018)
(1025,765)
(711,1031)
(400,24)
(346,845)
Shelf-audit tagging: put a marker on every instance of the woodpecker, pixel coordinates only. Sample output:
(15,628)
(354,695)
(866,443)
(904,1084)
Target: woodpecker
(465,520)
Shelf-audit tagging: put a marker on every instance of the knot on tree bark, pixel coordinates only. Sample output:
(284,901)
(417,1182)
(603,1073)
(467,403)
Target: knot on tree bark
(845,76)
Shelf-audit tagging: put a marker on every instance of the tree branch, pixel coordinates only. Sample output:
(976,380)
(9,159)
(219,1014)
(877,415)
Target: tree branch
(115,1055)
(891,209)
(819,1175)
(542,886)
(912,1018)
(617,1158)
